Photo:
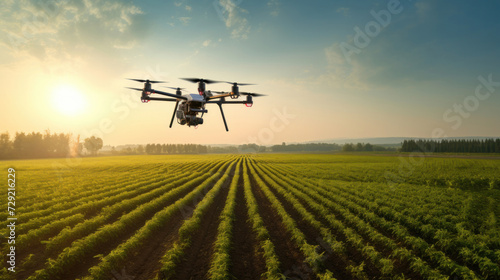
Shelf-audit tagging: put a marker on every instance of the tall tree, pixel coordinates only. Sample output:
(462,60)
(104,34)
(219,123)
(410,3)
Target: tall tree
(5,146)
(93,144)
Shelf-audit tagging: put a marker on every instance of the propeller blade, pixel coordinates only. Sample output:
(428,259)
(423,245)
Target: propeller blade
(240,84)
(175,88)
(197,80)
(138,89)
(252,94)
(192,80)
(146,81)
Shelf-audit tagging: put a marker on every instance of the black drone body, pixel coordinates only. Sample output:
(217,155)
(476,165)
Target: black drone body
(190,108)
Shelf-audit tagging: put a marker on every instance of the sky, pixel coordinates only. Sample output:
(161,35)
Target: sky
(330,69)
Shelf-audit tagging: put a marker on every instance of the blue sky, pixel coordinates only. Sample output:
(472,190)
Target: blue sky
(331,69)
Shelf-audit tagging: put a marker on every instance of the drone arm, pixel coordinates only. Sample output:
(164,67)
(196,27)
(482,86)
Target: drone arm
(220,95)
(222,113)
(169,94)
(173,115)
(227,102)
(161,99)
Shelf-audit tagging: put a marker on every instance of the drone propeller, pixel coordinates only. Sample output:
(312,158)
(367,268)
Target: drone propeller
(197,80)
(252,94)
(239,84)
(138,89)
(147,81)
(175,88)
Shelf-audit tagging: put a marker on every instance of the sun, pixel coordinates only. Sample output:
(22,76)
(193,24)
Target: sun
(68,100)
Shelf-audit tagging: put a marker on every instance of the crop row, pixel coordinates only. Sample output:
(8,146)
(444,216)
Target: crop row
(121,202)
(417,244)
(268,248)
(90,244)
(324,206)
(173,256)
(90,184)
(221,260)
(312,257)
(354,240)
(109,212)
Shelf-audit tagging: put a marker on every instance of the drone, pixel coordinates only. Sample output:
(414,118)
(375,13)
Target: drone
(190,108)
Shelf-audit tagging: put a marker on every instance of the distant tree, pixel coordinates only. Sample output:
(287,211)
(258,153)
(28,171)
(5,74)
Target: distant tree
(62,141)
(77,147)
(93,144)
(368,147)
(249,148)
(182,148)
(5,146)
(20,145)
(158,148)
(50,143)
(34,145)
(359,147)
(348,147)
(452,146)
(140,149)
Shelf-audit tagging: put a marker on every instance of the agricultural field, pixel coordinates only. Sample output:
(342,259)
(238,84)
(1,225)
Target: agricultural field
(263,216)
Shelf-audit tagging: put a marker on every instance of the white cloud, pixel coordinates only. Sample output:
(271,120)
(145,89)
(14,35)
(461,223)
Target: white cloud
(188,8)
(274,6)
(343,10)
(231,14)
(339,72)
(67,29)
(337,65)
(206,43)
(185,20)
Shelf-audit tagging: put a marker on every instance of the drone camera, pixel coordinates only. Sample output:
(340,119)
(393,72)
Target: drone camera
(192,120)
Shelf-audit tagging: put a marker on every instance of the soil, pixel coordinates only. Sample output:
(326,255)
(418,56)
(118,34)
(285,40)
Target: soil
(246,254)
(313,237)
(196,262)
(292,261)
(145,263)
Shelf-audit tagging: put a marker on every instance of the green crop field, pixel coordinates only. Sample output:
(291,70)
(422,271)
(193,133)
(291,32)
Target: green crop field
(263,216)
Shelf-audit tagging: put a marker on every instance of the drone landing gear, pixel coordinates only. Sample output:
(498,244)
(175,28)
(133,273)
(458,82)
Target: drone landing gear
(223,118)
(173,115)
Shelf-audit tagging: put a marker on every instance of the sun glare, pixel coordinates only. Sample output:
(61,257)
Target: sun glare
(68,100)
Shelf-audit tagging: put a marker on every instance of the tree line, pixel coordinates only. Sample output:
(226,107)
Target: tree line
(196,149)
(452,146)
(311,147)
(173,149)
(362,147)
(45,145)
